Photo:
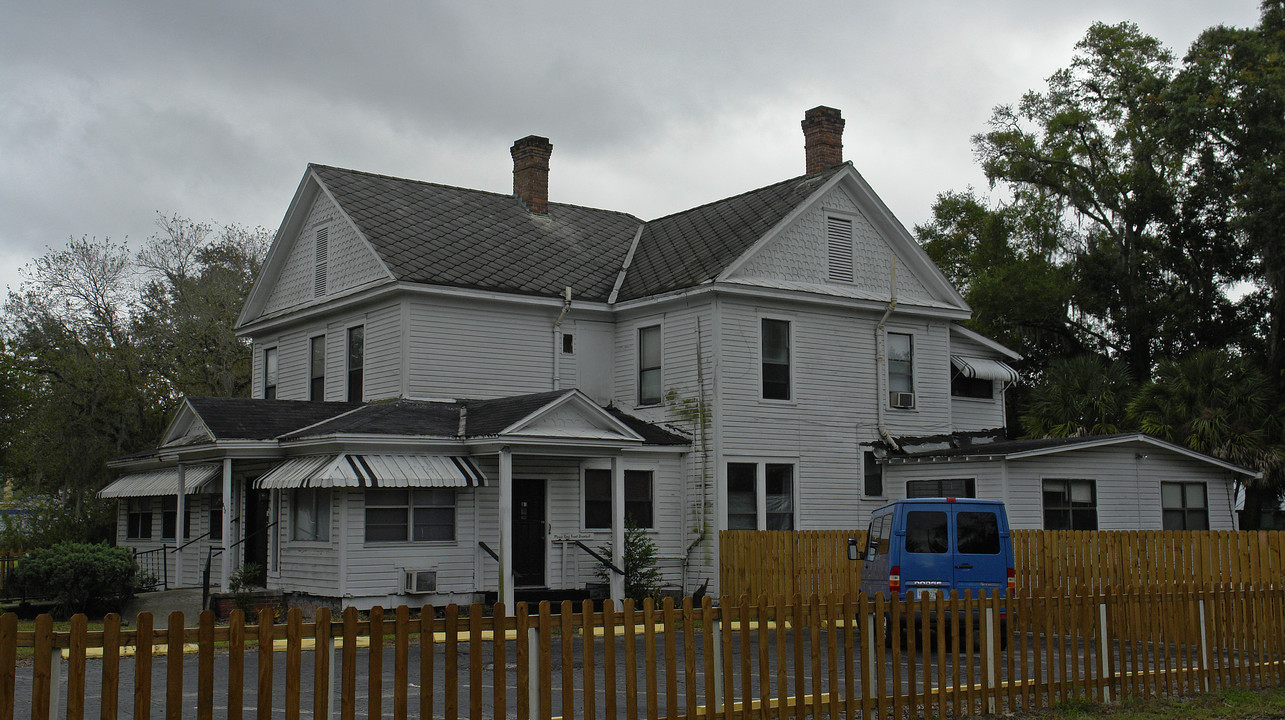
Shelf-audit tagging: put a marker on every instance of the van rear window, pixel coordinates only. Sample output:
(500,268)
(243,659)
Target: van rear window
(926,532)
(978,533)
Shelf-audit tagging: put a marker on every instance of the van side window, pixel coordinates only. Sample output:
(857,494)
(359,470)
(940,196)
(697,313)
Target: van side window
(926,532)
(978,533)
(885,535)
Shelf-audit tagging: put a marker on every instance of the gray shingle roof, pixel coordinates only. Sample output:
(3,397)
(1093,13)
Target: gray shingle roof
(457,237)
(255,419)
(694,246)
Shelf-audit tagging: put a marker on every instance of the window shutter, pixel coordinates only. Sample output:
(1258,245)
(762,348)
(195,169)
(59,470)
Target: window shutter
(323,251)
(839,237)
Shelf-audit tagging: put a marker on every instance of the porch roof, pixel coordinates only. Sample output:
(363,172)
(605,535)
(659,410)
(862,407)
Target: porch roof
(361,470)
(198,478)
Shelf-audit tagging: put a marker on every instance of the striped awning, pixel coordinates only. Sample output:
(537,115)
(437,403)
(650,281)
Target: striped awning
(983,368)
(355,471)
(153,483)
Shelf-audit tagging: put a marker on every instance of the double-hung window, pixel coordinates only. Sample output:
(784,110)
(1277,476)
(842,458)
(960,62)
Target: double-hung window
(356,362)
(873,475)
(317,368)
(169,517)
(649,364)
(760,496)
(270,374)
(139,519)
(410,514)
(776,359)
(1070,505)
(310,515)
(639,503)
(1185,505)
(901,370)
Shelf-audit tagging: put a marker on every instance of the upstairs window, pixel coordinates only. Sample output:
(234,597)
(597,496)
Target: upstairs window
(1070,505)
(901,370)
(970,387)
(270,374)
(638,499)
(317,368)
(1185,505)
(649,365)
(776,359)
(839,241)
(356,362)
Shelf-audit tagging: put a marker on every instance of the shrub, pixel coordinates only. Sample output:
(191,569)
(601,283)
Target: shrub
(79,577)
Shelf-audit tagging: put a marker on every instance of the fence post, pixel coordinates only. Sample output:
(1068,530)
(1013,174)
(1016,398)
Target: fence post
(1104,647)
(1204,647)
(533,670)
(718,654)
(991,660)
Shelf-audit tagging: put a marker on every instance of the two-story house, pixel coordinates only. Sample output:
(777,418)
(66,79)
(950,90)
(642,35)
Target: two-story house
(459,391)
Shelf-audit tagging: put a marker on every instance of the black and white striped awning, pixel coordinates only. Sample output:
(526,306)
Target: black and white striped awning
(983,368)
(359,471)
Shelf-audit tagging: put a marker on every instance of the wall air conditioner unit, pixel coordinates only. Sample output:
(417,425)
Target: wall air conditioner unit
(415,582)
(901,399)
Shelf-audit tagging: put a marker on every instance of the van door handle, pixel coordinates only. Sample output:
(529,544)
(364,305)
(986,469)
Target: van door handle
(964,566)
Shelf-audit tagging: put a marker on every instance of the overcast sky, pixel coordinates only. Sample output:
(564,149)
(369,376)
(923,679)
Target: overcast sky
(112,112)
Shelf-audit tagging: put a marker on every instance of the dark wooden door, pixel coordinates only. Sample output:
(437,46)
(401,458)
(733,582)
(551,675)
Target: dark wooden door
(257,509)
(528,533)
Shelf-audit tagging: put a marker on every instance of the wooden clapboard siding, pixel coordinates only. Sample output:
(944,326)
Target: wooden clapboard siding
(975,413)
(1051,649)
(310,567)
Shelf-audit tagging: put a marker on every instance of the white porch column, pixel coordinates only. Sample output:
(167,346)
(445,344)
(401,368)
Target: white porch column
(617,528)
(506,527)
(179,507)
(225,560)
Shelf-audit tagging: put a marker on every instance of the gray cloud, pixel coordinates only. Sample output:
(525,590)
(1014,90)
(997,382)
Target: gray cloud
(114,111)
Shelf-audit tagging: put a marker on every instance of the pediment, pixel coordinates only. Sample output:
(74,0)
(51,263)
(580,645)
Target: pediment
(844,242)
(186,428)
(572,416)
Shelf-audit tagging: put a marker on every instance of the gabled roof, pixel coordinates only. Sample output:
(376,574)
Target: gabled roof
(1023,449)
(694,246)
(442,235)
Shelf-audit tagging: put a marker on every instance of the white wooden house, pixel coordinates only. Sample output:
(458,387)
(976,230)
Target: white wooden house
(459,392)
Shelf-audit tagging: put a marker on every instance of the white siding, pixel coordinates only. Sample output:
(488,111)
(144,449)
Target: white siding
(478,349)
(976,413)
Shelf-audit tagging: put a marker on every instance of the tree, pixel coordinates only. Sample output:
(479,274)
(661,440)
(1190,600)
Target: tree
(1079,396)
(1221,406)
(1094,143)
(1229,105)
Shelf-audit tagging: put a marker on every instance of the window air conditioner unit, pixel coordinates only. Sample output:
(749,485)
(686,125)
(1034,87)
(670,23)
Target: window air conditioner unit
(415,582)
(901,399)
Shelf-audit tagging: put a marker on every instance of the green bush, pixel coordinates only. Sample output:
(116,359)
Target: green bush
(642,577)
(80,577)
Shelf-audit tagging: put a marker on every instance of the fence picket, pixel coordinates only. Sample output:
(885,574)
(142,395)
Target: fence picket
(323,649)
(499,666)
(205,667)
(236,664)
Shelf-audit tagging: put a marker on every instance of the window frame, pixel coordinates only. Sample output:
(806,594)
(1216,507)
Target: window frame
(658,368)
(271,372)
(169,517)
(868,460)
(968,388)
(762,511)
(1186,509)
(412,507)
(349,370)
(764,363)
(138,517)
(316,498)
(1070,508)
(602,474)
(316,383)
(910,363)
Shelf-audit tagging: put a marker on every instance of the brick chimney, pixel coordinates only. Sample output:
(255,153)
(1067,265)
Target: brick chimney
(531,172)
(822,138)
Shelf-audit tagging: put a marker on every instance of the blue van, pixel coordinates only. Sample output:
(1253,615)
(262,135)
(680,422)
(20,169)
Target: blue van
(918,547)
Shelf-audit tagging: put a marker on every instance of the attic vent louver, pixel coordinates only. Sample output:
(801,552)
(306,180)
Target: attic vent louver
(839,237)
(323,251)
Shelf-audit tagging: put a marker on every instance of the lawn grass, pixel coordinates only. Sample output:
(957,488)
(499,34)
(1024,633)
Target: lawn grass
(1231,704)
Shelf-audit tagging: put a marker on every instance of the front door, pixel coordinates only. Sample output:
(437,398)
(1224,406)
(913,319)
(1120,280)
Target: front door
(258,504)
(528,533)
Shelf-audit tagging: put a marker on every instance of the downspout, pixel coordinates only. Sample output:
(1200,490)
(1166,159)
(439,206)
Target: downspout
(881,359)
(557,339)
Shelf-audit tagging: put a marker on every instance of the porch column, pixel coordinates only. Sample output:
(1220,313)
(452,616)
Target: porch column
(225,559)
(617,528)
(506,528)
(179,507)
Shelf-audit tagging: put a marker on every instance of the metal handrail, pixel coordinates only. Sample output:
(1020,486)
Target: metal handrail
(489,551)
(600,558)
(269,526)
(195,539)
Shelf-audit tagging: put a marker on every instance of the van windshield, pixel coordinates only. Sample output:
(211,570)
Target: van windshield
(926,532)
(978,533)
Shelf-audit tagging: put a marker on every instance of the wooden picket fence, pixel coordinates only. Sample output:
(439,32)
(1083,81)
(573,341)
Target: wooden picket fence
(742,658)
(816,561)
